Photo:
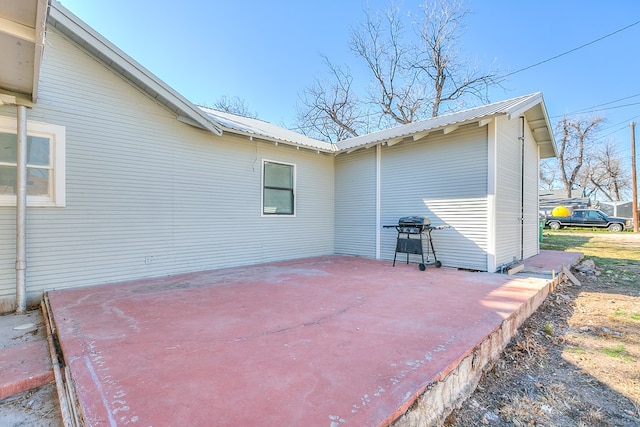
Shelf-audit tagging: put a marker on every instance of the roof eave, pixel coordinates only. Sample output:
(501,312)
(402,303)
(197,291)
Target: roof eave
(278,141)
(450,127)
(40,31)
(531,106)
(23,29)
(131,70)
(540,127)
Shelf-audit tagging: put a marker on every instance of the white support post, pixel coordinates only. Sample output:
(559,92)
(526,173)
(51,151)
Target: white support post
(21,211)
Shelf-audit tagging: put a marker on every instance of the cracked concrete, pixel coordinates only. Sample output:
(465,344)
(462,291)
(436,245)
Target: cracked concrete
(356,342)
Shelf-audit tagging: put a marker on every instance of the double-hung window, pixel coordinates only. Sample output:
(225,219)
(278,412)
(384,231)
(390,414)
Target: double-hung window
(278,188)
(45,163)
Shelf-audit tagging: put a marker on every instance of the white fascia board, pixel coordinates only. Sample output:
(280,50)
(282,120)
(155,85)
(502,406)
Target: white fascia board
(42,10)
(522,107)
(69,21)
(529,103)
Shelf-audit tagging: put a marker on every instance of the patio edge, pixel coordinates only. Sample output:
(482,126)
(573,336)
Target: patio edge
(440,398)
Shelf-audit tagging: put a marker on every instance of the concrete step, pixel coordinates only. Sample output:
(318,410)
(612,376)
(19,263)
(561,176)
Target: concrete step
(24,353)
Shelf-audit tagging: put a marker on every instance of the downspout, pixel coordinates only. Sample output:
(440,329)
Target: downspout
(521,138)
(21,211)
(378,181)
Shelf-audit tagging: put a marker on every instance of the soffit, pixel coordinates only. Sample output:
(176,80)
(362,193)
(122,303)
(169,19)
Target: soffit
(22,31)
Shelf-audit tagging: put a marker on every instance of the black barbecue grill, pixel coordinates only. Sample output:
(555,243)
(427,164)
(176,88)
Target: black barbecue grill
(411,230)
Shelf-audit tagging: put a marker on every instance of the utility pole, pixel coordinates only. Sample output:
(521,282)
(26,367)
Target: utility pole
(634,182)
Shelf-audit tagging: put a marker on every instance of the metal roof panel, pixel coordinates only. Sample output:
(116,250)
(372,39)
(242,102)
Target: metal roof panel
(261,129)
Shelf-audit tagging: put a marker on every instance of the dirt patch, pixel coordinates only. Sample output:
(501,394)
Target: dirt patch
(576,361)
(37,408)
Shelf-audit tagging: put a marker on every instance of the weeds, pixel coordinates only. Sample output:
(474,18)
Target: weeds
(618,352)
(575,350)
(623,316)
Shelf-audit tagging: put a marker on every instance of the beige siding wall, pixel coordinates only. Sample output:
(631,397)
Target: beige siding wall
(443,177)
(355,191)
(148,195)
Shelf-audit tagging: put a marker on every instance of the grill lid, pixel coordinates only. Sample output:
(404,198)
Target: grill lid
(414,221)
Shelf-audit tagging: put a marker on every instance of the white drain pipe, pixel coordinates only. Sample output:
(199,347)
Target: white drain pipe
(21,211)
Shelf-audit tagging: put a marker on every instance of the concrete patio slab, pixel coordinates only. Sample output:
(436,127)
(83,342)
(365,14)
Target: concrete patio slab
(327,341)
(548,262)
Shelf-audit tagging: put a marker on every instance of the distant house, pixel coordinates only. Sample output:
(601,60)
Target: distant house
(619,209)
(127,179)
(550,199)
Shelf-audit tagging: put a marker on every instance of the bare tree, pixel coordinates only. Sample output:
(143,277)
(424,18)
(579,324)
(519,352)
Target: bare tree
(449,76)
(395,90)
(606,175)
(234,105)
(328,108)
(574,137)
(549,174)
(411,77)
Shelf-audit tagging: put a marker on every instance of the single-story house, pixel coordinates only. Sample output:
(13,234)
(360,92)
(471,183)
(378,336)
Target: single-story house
(619,209)
(550,199)
(107,174)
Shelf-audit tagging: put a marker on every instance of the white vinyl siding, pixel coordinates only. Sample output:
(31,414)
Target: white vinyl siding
(355,192)
(148,195)
(508,192)
(443,177)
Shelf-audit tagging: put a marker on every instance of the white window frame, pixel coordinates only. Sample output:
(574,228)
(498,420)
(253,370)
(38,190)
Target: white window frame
(295,197)
(57,136)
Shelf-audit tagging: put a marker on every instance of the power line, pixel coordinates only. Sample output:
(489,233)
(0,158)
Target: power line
(617,100)
(594,109)
(572,50)
(591,109)
(619,126)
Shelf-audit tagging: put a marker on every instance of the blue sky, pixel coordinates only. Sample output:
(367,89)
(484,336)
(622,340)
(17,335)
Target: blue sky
(266,52)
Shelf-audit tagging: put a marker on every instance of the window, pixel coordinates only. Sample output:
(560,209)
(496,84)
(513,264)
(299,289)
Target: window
(278,188)
(45,163)
(595,216)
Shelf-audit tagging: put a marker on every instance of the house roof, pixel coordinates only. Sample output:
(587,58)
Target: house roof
(531,106)
(105,51)
(267,131)
(22,30)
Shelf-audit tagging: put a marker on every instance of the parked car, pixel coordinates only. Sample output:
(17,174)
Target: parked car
(588,218)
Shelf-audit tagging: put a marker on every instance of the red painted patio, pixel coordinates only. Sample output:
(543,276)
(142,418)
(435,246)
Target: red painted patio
(326,341)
